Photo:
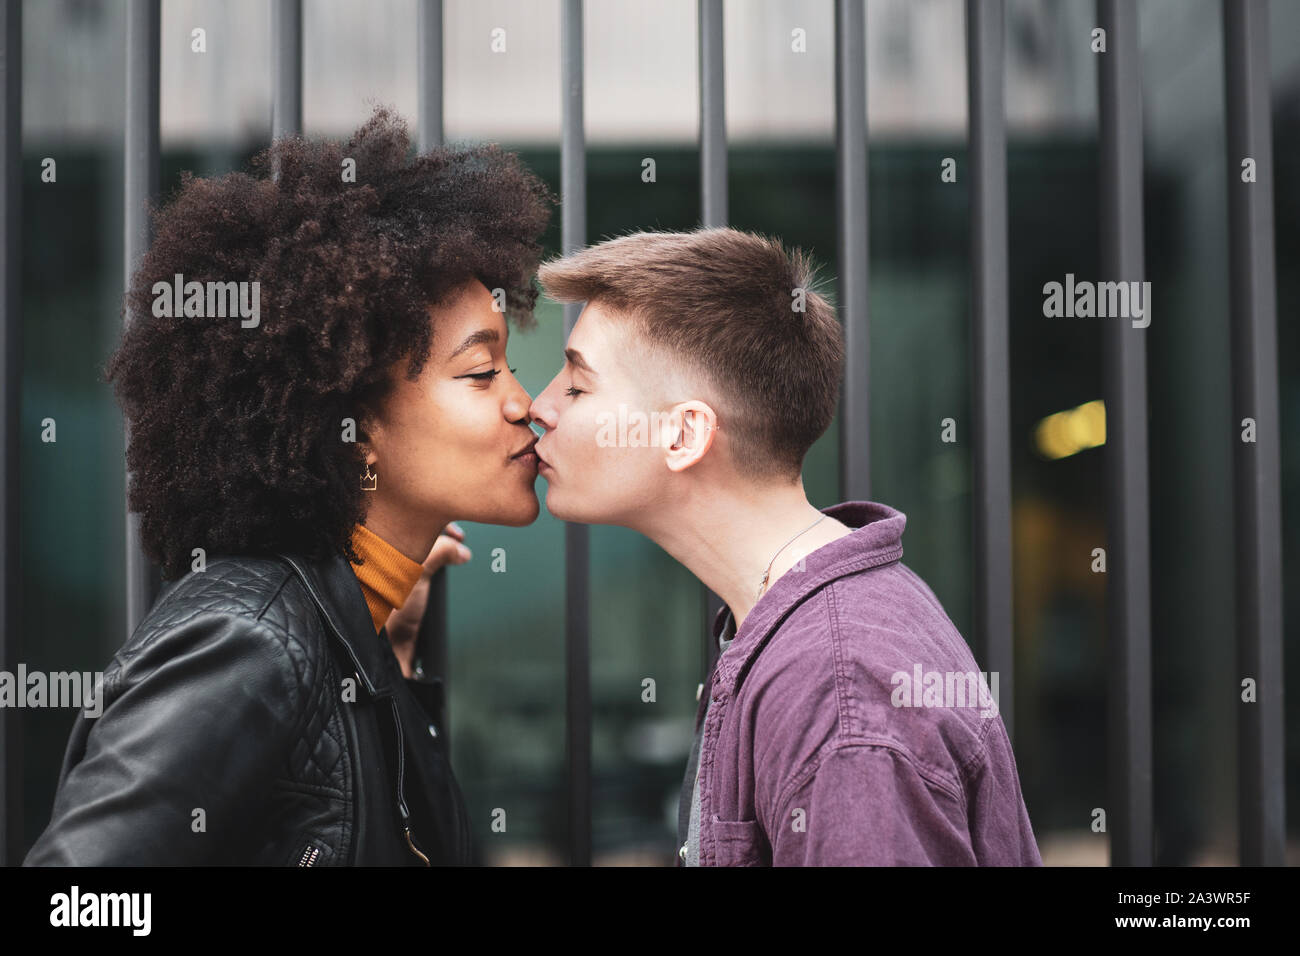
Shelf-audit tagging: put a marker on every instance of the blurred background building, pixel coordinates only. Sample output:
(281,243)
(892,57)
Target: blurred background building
(507,630)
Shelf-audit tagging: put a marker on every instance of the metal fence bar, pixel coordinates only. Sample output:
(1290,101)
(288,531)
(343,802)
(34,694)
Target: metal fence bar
(852,246)
(286,68)
(1261,773)
(431,642)
(991,399)
(11,127)
(140,187)
(713,116)
(1128,546)
(430,74)
(713,195)
(577,665)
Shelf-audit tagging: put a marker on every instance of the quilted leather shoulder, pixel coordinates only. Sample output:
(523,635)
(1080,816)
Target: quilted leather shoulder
(263,590)
(239,584)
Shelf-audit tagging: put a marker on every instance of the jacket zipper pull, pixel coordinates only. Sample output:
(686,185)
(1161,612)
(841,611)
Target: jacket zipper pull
(413,847)
(406,828)
(401,792)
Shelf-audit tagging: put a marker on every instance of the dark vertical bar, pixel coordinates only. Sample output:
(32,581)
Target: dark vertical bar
(431,642)
(429,65)
(143,39)
(11,102)
(851,246)
(1128,548)
(573,229)
(1261,779)
(713,194)
(991,477)
(286,68)
(713,116)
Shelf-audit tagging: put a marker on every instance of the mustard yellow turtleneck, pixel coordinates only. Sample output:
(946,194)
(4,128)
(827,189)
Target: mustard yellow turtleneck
(387,576)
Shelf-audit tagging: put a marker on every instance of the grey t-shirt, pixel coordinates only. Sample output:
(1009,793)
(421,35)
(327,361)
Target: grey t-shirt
(690,840)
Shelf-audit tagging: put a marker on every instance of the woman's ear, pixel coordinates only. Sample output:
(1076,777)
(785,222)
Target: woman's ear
(367,431)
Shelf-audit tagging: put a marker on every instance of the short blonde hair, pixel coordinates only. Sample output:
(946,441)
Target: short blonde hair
(740,308)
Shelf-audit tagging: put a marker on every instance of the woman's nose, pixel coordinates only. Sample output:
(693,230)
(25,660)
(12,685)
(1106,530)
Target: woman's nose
(537,413)
(518,405)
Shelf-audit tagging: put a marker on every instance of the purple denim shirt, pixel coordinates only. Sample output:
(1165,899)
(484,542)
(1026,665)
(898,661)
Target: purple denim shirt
(815,751)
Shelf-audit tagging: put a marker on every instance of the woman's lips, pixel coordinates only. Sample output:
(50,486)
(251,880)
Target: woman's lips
(527,456)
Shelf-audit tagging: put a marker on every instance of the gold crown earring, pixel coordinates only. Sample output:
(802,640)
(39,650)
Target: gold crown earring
(369,481)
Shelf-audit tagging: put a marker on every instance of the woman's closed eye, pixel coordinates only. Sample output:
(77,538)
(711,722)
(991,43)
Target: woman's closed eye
(485,376)
(573,391)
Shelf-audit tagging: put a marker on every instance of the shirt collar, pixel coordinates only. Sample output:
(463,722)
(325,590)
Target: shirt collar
(387,576)
(877,539)
(336,592)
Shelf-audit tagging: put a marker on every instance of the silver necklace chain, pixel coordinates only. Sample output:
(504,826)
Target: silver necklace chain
(763,584)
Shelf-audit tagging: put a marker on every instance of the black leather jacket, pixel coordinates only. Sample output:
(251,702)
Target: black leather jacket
(255,717)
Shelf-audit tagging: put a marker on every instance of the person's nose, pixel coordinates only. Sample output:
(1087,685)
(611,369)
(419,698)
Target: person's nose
(542,410)
(517,405)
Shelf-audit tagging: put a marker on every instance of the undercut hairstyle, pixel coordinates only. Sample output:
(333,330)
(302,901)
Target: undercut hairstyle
(735,307)
(238,435)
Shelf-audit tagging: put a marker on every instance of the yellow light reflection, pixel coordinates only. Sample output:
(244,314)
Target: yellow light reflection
(1066,433)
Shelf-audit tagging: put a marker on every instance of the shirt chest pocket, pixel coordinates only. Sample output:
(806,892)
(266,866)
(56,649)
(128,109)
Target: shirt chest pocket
(739,843)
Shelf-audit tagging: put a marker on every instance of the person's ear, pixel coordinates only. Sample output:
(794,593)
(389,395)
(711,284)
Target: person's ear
(367,429)
(691,427)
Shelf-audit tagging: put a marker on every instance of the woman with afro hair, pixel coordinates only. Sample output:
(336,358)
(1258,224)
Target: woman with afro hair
(292,473)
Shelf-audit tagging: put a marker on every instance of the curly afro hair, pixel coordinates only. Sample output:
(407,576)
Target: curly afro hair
(236,434)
